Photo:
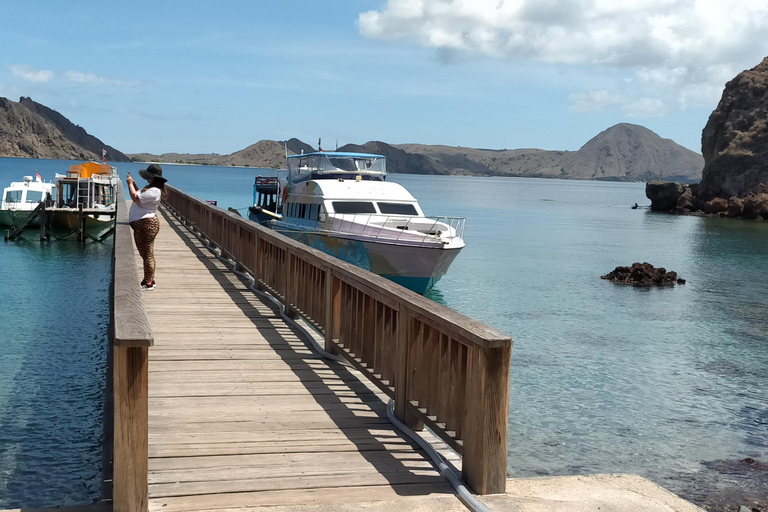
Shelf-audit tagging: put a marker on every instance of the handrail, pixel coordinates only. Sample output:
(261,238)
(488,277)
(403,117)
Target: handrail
(443,369)
(131,337)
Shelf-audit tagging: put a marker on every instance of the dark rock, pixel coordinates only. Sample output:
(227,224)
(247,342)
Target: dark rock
(664,195)
(735,207)
(685,201)
(756,206)
(716,205)
(643,274)
(735,140)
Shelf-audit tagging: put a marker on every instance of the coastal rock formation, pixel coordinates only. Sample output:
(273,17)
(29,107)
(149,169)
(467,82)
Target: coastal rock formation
(643,274)
(735,148)
(735,139)
(31,130)
(664,195)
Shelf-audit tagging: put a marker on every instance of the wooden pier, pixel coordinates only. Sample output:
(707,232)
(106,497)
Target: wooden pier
(219,403)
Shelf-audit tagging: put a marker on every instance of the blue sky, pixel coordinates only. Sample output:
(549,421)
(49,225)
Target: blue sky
(173,76)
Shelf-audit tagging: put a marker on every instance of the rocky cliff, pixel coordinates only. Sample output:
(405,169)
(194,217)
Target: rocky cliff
(735,140)
(735,147)
(31,130)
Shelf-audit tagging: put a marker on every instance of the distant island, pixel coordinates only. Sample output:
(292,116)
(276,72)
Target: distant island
(624,152)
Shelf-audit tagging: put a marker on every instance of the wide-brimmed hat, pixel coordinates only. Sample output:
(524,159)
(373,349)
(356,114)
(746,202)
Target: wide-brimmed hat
(153,171)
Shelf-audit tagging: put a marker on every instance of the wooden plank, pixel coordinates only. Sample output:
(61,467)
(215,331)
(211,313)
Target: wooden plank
(292,498)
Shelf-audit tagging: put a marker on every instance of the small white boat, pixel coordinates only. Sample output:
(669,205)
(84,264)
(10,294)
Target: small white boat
(21,198)
(341,204)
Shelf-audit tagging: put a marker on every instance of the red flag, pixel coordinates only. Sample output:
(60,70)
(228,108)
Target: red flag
(37,176)
(104,155)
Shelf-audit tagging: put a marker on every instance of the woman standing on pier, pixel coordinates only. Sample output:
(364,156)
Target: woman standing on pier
(143,218)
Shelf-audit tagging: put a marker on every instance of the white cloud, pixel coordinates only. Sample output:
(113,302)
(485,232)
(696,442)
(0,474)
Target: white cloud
(90,78)
(645,107)
(31,74)
(684,48)
(591,101)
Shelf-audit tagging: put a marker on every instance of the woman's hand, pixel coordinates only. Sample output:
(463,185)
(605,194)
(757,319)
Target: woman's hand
(128,179)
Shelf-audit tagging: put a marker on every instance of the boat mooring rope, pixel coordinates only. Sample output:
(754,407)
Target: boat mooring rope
(465,495)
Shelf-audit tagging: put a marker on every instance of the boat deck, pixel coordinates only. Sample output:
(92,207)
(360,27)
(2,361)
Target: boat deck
(243,414)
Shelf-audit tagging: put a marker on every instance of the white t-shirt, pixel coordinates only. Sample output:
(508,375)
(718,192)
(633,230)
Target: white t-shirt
(150,199)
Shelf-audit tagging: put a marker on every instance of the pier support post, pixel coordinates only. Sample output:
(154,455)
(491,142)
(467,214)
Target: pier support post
(131,455)
(485,445)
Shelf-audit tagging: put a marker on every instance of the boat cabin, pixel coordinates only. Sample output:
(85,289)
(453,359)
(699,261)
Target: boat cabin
(89,184)
(26,194)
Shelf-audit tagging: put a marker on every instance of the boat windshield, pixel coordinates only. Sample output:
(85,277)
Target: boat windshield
(34,196)
(313,163)
(13,196)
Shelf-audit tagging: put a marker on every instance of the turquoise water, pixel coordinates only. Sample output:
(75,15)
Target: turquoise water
(53,322)
(667,383)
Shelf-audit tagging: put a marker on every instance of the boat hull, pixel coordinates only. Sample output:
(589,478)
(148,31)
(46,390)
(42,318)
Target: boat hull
(12,218)
(417,268)
(64,223)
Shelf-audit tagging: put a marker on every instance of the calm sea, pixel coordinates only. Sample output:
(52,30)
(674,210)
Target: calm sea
(666,383)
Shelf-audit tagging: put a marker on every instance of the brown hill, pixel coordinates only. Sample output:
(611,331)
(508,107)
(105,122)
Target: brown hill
(399,161)
(629,152)
(624,152)
(31,130)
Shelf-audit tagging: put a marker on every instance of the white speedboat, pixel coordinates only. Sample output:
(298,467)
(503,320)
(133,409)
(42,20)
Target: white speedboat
(21,198)
(341,204)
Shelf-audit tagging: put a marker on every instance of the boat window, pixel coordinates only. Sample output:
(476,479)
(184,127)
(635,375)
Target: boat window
(397,208)
(303,211)
(353,207)
(313,211)
(34,196)
(13,196)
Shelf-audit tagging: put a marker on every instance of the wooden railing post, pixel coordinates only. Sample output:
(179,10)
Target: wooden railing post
(332,310)
(487,409)
(130,476)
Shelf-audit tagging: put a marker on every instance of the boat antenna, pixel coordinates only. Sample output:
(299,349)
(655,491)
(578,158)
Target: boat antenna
(319,144)
(337,143)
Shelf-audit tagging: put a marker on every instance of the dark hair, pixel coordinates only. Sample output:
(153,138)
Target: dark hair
(158,183)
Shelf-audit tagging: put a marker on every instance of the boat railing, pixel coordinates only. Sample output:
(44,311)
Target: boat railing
(442,369)
(396,228)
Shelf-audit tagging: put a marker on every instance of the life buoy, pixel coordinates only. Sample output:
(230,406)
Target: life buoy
(285,194)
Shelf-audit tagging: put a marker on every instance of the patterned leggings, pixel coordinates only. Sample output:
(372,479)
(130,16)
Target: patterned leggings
(144,232)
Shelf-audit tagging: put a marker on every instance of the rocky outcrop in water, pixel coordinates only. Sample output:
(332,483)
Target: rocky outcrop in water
(735,147)
(643,274)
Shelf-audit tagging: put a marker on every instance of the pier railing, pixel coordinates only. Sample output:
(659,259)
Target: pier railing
(130,337)
(442,369)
